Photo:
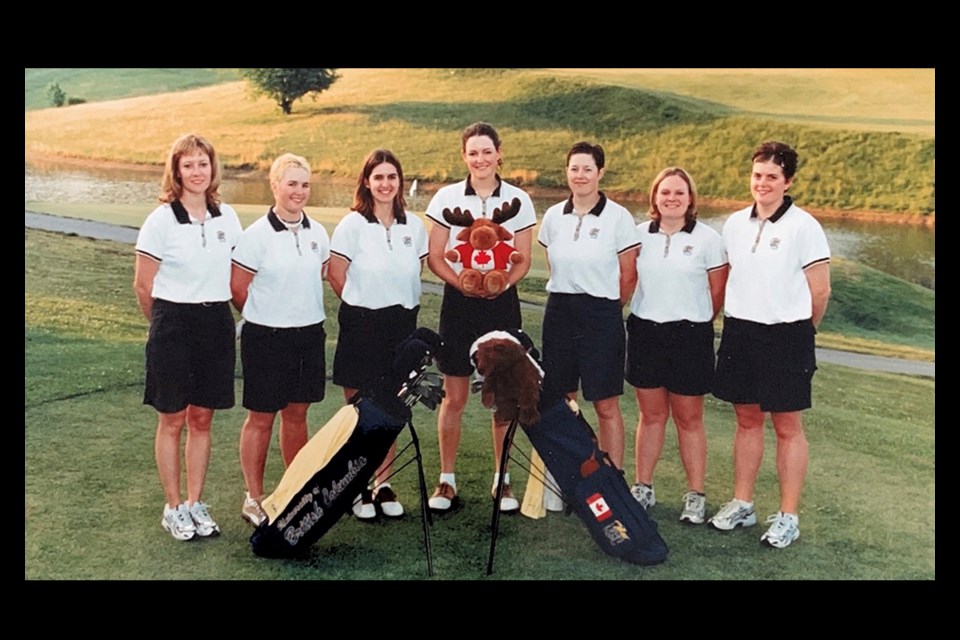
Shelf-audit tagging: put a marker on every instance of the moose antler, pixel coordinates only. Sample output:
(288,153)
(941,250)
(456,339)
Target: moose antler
(458,218)
(509,210)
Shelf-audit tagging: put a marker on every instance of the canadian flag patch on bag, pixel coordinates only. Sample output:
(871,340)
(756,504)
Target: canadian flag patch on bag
(599,507)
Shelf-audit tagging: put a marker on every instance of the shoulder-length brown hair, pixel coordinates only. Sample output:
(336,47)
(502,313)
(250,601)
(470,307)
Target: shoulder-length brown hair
(171,187)
(363,198)
(691,213)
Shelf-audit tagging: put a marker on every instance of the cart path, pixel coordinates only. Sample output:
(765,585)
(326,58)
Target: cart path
(118,233)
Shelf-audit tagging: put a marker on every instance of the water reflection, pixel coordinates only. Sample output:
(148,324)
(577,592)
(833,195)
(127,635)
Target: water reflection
(906,251)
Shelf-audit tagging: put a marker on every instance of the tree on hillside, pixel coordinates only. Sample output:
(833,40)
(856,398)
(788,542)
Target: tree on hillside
(56,95)
(286,85)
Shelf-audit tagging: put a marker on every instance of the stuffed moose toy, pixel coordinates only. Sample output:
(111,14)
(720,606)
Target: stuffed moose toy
(482,250)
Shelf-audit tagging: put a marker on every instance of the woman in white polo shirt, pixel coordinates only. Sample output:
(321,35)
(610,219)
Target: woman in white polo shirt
(182,284)
(682,271)
(277,283)
(592,245)
(377,253)
(464,317)
(776,296)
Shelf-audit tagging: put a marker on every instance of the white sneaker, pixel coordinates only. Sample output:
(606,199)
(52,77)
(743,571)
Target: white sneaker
(508,504)
(252,512)
(694,507)
(735,513)
(644,494)
(178,523)
(201,519)
(785,528)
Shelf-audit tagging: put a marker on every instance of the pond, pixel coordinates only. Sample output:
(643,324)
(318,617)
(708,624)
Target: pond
(903,250)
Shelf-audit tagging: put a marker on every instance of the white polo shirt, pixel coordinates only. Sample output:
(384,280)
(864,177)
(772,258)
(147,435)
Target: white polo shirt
(584,250)
(463,195)
(384,261)
(767,258)
(287,268)
(673,283)
(194,256)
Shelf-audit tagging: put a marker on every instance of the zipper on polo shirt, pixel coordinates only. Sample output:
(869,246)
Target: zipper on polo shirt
(576,232)
(296,239)
(757,241)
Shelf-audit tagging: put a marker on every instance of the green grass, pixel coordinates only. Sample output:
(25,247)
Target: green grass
(96,85)
(418,113)
(92,498)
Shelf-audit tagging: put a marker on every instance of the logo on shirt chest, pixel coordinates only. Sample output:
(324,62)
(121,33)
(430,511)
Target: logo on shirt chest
(482,260)
(774,244)
(314,246)
(221,236)
(688,249)
(407,241)
(594,233)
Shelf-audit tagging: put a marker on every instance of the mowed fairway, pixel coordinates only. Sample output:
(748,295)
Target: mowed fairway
(92,498)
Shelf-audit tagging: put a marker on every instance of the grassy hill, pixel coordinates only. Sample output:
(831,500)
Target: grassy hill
(418,113)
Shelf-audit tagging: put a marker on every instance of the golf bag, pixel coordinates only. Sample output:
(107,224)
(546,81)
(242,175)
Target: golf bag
(593,487)
(334,467)
(507,366)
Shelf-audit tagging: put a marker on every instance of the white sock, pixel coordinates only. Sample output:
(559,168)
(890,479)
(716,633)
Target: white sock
(450,479)
(496,479)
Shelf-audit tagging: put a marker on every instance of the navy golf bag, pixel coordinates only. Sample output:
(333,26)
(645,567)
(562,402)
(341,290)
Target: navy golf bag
(334,467)
(593,487)
(508,369)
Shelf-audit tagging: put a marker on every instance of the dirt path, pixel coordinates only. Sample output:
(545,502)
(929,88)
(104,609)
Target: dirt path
(103,231)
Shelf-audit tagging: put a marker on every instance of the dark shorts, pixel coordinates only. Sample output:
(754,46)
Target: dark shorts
(366,341)
(675,355)
(584,344)
(282,365)
(769,365)
(191,355)
(464,319)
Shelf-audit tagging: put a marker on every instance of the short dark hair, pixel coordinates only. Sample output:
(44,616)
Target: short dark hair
(594,150)
(780,154)
(363,199)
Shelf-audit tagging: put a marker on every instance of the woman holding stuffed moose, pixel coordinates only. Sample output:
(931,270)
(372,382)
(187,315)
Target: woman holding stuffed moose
(479,287)
(377,253)
(592,245)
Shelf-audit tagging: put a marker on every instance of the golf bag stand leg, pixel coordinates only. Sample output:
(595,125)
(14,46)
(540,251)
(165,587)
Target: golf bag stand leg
(424,511)
(495,522)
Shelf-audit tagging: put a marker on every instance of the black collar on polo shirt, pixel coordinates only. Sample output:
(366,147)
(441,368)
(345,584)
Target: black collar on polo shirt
(597,208)
(655,226)
(470,191)
(787,203)
(180,211)
(280,225)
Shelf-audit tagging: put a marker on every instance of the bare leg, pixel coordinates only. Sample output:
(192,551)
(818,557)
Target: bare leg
(792,458)
(254,444)
(691,438)
(197,454)
(611,428)
(293,430)
(654,412)
(747,450)
(449,418)
(167,452)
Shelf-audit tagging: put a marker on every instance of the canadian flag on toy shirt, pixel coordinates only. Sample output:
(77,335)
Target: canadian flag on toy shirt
(599,507)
